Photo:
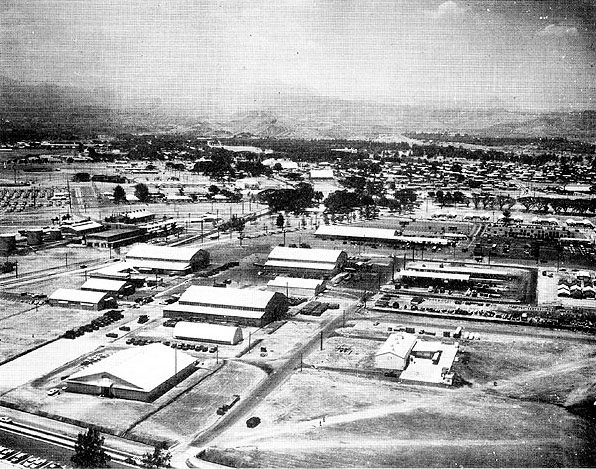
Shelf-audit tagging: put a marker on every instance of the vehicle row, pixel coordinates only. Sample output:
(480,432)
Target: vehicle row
(22,459)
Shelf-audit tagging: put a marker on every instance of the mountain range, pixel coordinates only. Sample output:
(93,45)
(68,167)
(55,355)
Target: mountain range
(288,114)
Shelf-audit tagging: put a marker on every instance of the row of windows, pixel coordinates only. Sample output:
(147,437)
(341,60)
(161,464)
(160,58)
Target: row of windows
(212,305)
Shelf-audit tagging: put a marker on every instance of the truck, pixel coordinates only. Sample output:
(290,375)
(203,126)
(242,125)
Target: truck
(224,408)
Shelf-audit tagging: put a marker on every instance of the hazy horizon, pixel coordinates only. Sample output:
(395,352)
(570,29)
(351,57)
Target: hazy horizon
(227,56)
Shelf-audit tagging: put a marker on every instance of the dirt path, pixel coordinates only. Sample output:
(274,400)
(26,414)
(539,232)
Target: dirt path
(363,443)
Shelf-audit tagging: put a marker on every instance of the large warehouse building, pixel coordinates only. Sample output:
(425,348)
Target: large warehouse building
(215,333)
(376,235)
(81,299)
(296,286)
(140,373)
(166,259)
(306,262)
(230,305)
(415,278)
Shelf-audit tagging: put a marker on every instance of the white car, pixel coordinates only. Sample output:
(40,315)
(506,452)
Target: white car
(4,419)
(53,391)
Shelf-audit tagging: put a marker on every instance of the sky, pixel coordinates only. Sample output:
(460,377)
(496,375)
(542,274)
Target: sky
(516,55)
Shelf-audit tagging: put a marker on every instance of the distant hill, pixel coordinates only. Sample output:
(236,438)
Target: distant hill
(46,108)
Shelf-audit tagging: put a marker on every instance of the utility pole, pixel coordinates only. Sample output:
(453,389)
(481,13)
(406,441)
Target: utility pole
(321,340)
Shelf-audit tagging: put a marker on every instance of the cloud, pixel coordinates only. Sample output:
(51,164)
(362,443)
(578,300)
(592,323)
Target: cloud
(557,30)
(446,9)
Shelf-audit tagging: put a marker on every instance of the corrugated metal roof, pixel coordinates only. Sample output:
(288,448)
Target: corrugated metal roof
(168,253)
(142,368)
(305,255)
(229,297)
(207,332)
(81,296)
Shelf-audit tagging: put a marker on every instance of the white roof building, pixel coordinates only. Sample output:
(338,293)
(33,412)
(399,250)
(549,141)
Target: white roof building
(321,174)
(295,286)
(81,299)
(374,234)
(104,285)
(216,333)
(139,373)
(166,258)
(236,305)
(305,261)
(394,353)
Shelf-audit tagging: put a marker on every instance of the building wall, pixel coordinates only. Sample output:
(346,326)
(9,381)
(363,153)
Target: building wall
(199,260)
(389,361)
(131,394)
(295,291)
(217,319)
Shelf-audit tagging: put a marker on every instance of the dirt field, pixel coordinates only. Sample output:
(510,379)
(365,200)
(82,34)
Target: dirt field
(332,419)
(381,424)
(22,327)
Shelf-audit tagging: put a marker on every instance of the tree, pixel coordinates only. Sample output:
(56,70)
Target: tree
(280,221)
(158,458)
(81,177)
(142,192)
(119,195)
(89,450)
(506,216)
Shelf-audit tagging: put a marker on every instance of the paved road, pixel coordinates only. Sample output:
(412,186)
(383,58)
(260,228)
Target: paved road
(283,368)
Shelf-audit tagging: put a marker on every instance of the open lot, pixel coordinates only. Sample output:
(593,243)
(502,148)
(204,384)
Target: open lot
(319,418)
(23,326)
(115,416)
(196,409)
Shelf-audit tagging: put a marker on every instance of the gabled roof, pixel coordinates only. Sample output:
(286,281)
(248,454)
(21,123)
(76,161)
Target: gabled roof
(140,368)
(169,253)
(228,297)
(81,296)
(398,344)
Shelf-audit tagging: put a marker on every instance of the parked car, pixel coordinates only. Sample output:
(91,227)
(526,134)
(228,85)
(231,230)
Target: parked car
(53,391)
